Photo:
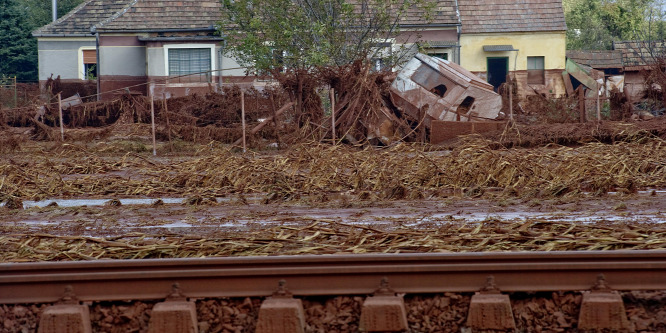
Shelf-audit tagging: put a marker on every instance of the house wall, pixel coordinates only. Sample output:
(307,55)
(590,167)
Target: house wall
(122,65)
(550,45)
(60,57)
(126,61)
(634,85)
(161,86)
(437,35)
(448,34)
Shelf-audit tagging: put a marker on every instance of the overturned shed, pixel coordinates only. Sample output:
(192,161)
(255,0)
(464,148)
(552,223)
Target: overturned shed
(597,62)
(430,89)
(639,58)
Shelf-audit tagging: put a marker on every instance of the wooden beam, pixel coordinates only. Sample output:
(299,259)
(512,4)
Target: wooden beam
(265,122)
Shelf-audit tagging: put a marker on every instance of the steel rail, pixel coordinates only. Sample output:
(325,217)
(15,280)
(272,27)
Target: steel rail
(99,280)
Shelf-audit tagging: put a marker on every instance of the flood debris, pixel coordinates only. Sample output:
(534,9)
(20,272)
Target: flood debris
(443,90)
(429,100)
(430,89)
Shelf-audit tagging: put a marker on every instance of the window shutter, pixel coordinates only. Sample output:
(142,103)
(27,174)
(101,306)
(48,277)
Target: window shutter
(89,56)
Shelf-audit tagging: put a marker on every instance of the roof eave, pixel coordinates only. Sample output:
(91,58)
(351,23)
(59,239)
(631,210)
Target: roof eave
(511,31)
(62,35)
(106,30)
(432,25)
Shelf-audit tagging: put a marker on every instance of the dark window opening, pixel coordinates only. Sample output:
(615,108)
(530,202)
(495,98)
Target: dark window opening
(440,90)
(90,71)
(466,105)
(498,68)
(444,56)
(89,64)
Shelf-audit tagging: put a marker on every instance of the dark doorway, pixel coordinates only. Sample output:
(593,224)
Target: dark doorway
(498,68)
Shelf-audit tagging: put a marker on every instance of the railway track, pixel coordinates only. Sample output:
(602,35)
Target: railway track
(330,275)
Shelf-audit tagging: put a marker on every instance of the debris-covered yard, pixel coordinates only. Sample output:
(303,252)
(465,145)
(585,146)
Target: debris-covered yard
(99,188)
(212,200)
(338,162)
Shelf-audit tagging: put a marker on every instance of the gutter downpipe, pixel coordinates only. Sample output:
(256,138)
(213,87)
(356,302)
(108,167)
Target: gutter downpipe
(93,29)
(459,30)
(221,64)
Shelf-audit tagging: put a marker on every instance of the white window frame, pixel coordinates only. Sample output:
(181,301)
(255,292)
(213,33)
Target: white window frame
(383,52)
(439,50)
(81,66)
(543,69)
(213,55)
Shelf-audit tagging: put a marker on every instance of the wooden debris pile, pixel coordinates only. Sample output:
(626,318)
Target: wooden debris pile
(218,116)
(198,118)
(363,108)
(302,88)
(399,172)
(331,237)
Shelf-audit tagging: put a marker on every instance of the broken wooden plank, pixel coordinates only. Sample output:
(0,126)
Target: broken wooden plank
(265,122)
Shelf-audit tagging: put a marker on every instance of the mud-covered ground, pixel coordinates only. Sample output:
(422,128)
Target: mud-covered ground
(236,213)
(247,225)
(110,198)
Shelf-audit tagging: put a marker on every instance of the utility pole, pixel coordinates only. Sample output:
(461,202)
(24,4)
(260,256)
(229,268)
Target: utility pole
(54,9)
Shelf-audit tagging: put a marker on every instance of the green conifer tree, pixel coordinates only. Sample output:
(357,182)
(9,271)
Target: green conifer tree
(18,49)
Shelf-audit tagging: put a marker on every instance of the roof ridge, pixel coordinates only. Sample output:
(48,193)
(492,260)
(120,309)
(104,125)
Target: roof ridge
(114,16)
(64,17)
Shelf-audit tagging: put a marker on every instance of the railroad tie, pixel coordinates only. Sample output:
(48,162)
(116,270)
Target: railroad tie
(281,313)
(66,316)
(490,310)
(175,315)
(602,309)
(384,311)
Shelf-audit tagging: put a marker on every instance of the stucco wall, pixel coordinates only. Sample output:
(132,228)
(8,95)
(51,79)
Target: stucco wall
(231,67)
(552,46)
(60,56)
(441,34)
(122,60)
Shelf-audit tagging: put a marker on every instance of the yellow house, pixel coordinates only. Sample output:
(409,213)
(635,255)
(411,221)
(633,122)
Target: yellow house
(526,39)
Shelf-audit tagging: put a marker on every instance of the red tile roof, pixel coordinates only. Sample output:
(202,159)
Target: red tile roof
(165,14)
(511,16)
(129,15)
(598,59)
(443,13)
(638,54)
(79,20)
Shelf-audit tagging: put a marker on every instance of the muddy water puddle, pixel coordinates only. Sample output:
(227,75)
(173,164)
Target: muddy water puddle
(95,216)
(102,202)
